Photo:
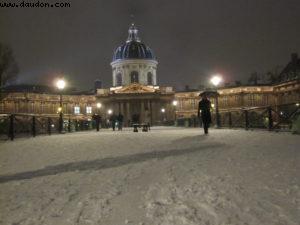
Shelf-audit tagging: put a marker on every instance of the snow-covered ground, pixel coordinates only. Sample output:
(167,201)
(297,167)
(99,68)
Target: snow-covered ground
(169,176)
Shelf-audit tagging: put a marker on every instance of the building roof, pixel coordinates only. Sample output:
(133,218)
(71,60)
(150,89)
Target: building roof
(42,89)
(133,48)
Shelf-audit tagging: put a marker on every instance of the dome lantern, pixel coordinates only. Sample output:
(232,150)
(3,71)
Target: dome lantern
(133,34)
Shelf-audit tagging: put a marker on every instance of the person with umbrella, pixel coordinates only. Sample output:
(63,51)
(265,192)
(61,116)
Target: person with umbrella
(204,111)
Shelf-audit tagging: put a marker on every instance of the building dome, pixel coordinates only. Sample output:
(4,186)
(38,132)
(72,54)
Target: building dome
(133,48)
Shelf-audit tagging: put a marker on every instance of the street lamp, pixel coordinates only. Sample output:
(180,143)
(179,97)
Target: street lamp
(216,80)
(60,84)
(109,112)
(174,103)
(99,105)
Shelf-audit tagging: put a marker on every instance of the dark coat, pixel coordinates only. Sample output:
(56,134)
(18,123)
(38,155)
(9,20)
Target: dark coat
(204,110)
(120,118)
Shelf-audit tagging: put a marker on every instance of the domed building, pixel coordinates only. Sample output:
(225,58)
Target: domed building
(134,62)
(135,92)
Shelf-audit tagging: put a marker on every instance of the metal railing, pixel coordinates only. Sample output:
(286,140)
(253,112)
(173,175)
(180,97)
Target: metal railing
(21,124)
(275,117)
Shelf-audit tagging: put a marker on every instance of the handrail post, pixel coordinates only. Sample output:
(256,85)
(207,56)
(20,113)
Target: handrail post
(33,130)
(246,119)
(11,132)
(270,118)
(229,119)
(49,126)
(69,125)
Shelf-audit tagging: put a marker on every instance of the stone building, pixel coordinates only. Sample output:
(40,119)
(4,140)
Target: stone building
(135,89)
(135,92)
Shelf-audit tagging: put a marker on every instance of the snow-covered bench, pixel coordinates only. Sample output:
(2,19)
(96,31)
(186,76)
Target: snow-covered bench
(139,125)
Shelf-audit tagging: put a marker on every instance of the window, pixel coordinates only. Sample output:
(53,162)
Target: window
(89,109)
(119,79)
(76,109)
(134,77)
(149,78)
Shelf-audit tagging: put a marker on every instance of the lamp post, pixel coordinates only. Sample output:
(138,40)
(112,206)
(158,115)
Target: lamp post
(163,111)
(216,80)
(60,84)
(98,105)
(174,103)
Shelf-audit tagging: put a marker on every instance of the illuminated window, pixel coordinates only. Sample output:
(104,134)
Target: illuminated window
(76,109)
(88,109)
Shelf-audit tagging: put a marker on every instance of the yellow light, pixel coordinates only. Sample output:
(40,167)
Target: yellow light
(297,104)
(163,110)
(216,80)
(109,111)
(175,102)
(99,105)
(213,105)
(60,84)
(59,109)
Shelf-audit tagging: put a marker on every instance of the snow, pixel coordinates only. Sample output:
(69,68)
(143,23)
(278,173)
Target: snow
(168,176)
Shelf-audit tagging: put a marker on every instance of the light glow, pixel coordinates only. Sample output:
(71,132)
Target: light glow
(175,102)
(60,84)
(109,111)
(216,80)
(163,110)
(99,105)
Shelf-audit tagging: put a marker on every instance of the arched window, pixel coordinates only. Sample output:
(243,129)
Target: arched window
(149,78)
(119,79)
(134,77)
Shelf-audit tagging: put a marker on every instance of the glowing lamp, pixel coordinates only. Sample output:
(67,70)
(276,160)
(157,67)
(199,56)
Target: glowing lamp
(109,111)
(60,84)
(99,105)
(216,80)
(175,102)
(163,110)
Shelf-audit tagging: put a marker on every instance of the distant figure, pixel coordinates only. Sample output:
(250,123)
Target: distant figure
(97,119)
(120,121)
(147,117)
(135,119)
(113,120)
(204,111)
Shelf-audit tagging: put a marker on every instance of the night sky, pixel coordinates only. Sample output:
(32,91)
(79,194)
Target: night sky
(191,39)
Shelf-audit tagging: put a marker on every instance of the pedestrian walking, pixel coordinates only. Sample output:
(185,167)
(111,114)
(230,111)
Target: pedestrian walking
(147,118)
(120,121)
(113,120)
(97,119)
(204,111)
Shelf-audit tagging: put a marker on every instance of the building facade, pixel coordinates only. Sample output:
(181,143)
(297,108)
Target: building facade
(135,92)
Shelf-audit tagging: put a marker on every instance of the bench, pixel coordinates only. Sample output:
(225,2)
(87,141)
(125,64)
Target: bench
(139,125)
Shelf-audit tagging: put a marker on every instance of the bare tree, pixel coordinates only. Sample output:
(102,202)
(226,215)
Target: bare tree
(254,78)
(8,66)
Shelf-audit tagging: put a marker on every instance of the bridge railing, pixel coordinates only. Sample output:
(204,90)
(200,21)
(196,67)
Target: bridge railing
(22,125)
(266,117)
(273,117)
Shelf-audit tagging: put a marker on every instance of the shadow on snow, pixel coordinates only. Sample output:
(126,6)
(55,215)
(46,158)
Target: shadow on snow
(105,163)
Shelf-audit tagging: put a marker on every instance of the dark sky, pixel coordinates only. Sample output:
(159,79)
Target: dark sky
(191,39)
